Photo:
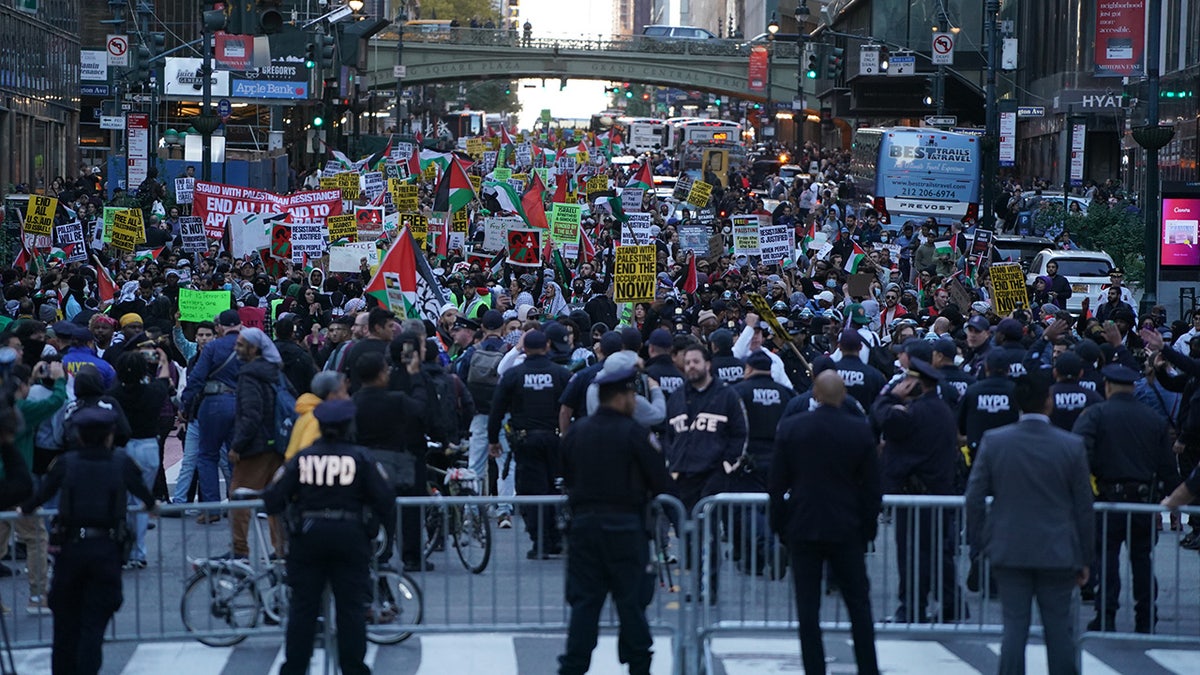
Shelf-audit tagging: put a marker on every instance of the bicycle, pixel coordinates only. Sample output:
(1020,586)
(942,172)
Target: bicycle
(466,524)
(228,598)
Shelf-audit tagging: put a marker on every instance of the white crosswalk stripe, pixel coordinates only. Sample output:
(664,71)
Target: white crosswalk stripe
(510,654)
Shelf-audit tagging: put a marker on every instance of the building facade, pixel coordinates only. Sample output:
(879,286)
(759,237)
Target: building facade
(39,92)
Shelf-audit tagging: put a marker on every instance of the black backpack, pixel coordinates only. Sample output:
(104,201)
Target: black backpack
(445,414)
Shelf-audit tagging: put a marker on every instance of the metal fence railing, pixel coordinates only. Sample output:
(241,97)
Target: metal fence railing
(720,572)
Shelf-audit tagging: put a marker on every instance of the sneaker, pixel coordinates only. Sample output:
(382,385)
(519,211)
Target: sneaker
(206,518)
(134,565)
(1191,540)
(37,606)
(504,522)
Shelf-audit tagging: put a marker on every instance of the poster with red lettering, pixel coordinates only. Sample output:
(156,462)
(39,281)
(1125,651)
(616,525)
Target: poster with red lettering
(1120,38)
(214,203)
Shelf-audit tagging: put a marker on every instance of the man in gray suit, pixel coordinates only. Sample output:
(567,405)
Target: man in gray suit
(1038,477)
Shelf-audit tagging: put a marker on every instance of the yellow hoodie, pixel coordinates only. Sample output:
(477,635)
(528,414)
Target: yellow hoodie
(306,430)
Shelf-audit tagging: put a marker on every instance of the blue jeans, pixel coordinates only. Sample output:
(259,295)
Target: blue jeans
(216,418)
(477,459)
(187,465)
(144,453)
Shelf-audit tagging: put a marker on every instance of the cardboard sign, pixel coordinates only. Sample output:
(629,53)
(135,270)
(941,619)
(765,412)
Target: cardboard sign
(1008,284)
(635,271)
(201,305)
(745,235)
(124,231)
(683,187)
(637,229)
(418,225)
(693,238)
(496,228)
(775,242)
(959,294)
(859,285)
(596,186)
(699,194)
(342,227)
(348,184)
(524,247)
(373,184)
(349,257)
(308,238)
(631,199)
(475,147)
(191,230)
(39,215)
(184,188)
(69,233)
(564,223)
(764,310)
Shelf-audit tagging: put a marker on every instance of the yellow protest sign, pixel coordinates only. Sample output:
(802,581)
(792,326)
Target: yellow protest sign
(344,226)
(135,216)
(1008,284)
(476,183)
(348,184)
(430,172)
(39,215)
(699,194)
(762,309)
(460,221)
(475,147)
(418,225)
(124,230)
(634,273)
(330,183)
(404,196)
(596,185)
(564,223)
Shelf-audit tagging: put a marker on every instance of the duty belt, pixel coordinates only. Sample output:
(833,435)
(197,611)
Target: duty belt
(332,514)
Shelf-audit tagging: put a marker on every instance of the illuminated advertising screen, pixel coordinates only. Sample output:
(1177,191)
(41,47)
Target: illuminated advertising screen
(1180,232)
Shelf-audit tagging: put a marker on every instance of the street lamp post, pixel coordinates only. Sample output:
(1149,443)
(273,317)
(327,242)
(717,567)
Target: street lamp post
(1152,137)
(401,19)
(769,125)
(802,14)
(991,158)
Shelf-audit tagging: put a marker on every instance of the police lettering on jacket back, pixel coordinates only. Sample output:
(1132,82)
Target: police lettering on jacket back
(767,397)
(538,381)
(327,470)
(670,384)
(992,403)
(853,378)
(1070,400)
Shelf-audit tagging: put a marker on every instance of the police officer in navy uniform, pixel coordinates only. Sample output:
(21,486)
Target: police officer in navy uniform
(659,366)
(1068,396)
(612,468)
(863,382)
(764,400)
(988,404)
(530,392)
(1129,453)
(954,381)
(335,497)
(726,367)
(92,483)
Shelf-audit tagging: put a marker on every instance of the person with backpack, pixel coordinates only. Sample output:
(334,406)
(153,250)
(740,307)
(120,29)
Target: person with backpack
(479,368)
(254,451)
(298,365)
(451,405)
(141,397)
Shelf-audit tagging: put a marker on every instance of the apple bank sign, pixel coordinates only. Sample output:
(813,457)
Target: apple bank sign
(284,78)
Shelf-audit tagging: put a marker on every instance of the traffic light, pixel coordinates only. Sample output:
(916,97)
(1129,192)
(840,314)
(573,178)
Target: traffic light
(157,43)
(326,50)
(927,99)
(810,70)
(318,121)
(139,64)
(645,96)
(270,18)
(310,54)
(833,63)
(215,20)
(628,94)
(507,88)
(1175,93)
(717,101)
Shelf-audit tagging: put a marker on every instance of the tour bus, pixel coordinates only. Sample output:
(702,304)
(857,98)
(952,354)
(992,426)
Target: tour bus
(642,134)
(710,144)
(911,173)
(674,131)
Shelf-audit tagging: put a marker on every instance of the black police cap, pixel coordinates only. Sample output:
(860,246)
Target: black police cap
(334,413)
(1118,374)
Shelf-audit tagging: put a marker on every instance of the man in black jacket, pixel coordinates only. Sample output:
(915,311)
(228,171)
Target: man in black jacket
(825,497)
(251,450)
(988,403)
(481,381)
(297,363)
(530,392)
(382,417)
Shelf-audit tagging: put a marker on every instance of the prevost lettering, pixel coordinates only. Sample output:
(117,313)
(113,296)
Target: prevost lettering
(327,470)
(1070,401)
(992,403)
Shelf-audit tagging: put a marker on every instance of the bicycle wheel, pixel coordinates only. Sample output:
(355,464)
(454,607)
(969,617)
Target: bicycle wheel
(220,601)
(435,530)
(472,534)
(275,594)
(396,602)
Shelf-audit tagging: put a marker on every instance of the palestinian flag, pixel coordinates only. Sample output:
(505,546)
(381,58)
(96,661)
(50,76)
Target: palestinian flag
(944,247)
(688,282)
(561,272)
(587,250)
(855,259)
(59,255)
(414,161)
(561,183)
(23,259)
(106,289)
(404,283)
(148,254)
(376,161)
(454,190)
(614,205)
(809,237)
(505,195)
(642,178)
(533,206)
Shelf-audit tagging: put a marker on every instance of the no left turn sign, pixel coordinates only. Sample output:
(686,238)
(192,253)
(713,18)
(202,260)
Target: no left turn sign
(117,47)
(943,49)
